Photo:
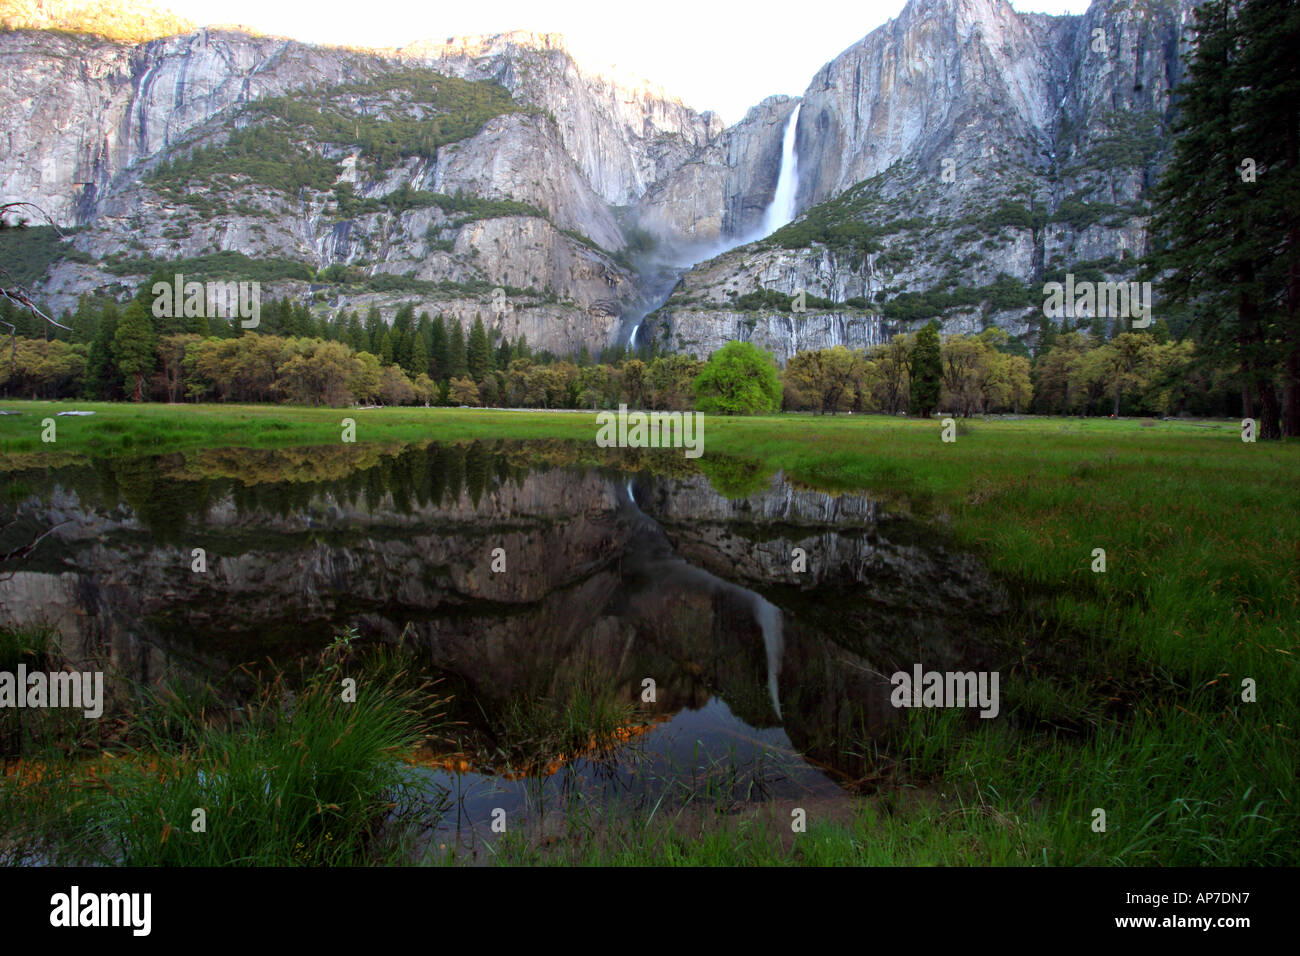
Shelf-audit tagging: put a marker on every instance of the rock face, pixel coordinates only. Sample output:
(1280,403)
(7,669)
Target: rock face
(518,157)
(82,110)
(974,81)
(950,77)
(725,188)
(99,117)
(623,140)
(80,114)
(973,142)
(703,333)
(88,122)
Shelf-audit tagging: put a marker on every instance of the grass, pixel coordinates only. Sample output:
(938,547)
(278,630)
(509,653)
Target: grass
(299,775)
(584,718)
(34,647)
(1129,698)
(929,832)
(36,731)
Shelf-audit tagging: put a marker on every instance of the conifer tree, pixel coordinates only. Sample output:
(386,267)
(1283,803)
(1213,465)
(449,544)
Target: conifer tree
(480,354)
(419,362)
(439,352)
(926,371)
(1227,222)
(133,349)
(86,320)
(356,336)
(457,354)
(103,380)
(375,330)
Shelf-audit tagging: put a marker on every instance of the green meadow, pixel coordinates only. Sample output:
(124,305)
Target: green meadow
(1163,691)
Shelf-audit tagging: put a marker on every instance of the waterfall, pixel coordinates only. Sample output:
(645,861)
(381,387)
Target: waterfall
(782,209)
(670,268)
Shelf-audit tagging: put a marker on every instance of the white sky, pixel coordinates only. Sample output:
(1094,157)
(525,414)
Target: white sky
(723,56)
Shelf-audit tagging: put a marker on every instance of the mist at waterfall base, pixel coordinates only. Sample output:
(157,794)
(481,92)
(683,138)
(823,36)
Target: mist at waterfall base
(661,270)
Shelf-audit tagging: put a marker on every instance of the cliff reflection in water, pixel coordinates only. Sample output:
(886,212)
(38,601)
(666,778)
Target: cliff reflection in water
(615,572)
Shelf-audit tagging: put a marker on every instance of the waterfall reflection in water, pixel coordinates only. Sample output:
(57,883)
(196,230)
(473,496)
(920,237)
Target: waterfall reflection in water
(765,677)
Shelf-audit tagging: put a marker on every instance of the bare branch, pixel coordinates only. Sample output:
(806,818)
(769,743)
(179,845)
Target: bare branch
(22,298)
(12,290)
(26,550)
(6,207)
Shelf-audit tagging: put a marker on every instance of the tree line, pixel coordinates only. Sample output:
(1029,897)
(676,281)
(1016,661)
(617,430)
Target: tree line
(1075,372)
(111,352)
(296,358)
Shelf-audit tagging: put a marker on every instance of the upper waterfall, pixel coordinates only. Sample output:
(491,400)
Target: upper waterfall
(782,209)
(779,212)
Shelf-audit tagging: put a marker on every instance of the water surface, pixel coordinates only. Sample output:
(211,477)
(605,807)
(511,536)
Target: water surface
(770,673)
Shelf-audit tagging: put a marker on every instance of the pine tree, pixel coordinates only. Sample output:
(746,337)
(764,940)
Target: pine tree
(1046,336)
(173,324)
(1227,220)
(457,354)
(926,371)
(419,358)
(1272,117)
(9,316)
(375,330)
(301,324)
(331,325)
(86,321)
(1100,328)
(404,320)
(439,352)
(480,354)
(133,349)
(274,318)
(424,333)
(402,347)
(356,335)
(200,324)
(103,380)
(386,349)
